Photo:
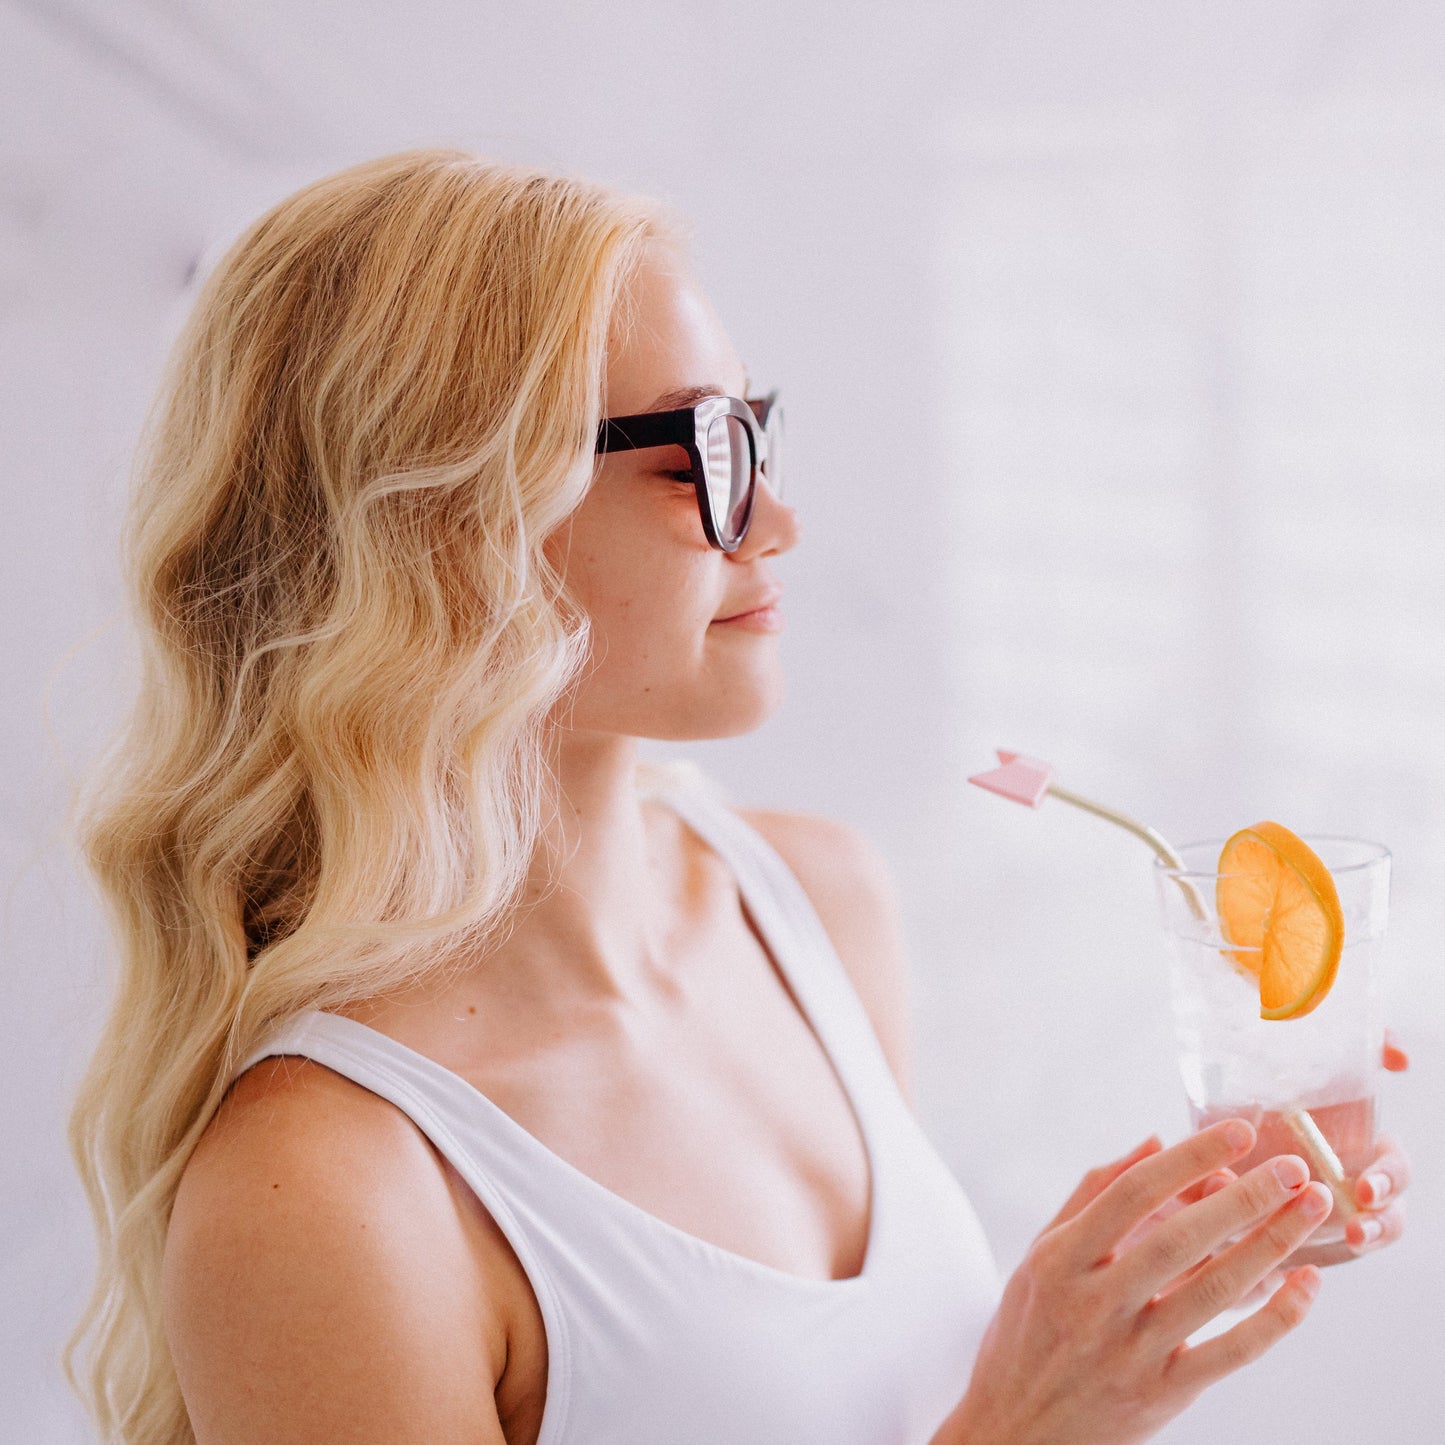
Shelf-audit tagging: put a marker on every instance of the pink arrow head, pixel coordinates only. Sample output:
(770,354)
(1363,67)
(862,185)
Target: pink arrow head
(1006,757)
(1024,780)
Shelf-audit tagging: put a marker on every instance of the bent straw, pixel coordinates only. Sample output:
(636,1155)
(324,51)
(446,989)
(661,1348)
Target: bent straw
(1028,781)
(1316,1148)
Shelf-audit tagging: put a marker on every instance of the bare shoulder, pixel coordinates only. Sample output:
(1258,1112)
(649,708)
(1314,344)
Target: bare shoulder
(320,1281)
(850,884)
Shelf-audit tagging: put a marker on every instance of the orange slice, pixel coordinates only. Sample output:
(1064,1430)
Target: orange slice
(1275,896)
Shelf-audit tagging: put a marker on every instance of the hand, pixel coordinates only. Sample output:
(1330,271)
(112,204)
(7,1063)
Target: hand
(1381,1219)
(1377,1190)
(1088,1342)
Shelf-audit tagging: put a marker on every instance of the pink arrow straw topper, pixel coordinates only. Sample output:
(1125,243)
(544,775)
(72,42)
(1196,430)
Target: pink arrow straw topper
(1029,781)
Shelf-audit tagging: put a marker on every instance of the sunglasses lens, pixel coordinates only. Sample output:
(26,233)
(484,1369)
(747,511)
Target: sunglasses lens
(729,472)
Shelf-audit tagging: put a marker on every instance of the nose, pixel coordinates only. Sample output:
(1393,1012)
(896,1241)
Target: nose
(773,526)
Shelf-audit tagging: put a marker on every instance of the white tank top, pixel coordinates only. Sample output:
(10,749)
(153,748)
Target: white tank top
(657,1337)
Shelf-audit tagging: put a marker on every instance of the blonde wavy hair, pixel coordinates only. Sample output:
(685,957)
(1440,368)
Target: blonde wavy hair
(334,775)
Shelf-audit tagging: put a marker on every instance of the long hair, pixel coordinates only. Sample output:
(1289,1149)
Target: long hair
(334,774)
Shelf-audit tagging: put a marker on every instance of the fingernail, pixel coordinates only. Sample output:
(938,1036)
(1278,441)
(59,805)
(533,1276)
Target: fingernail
(1370,1230)
(1215,1183)
(1238,1134)
(1317,1201)
(1379,1185)
(1292,1171)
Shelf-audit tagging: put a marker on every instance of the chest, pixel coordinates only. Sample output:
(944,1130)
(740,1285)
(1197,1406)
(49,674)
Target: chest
(713,1107)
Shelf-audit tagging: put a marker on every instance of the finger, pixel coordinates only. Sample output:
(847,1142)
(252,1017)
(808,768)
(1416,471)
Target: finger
(1387,1174)
(1192,1195)
(1262,1291)
(1257,1295)
(1232,1274)
(1192,1234)
(1193,1370)
(1136,1193)
(1394,1058)
(1212,1185)
(1373,1231)
(1097,1180)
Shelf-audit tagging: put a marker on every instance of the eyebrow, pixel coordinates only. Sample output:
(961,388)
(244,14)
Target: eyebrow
(691,395)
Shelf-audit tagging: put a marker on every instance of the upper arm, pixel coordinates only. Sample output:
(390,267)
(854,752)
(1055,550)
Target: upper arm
(317,1282)
(850,885)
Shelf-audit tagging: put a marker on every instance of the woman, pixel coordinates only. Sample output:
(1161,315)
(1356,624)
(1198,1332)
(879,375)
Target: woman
(460,1088)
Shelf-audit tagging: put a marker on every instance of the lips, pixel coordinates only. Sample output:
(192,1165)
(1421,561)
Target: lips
(766,600)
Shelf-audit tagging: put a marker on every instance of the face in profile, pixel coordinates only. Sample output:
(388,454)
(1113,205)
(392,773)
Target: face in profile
(635,554)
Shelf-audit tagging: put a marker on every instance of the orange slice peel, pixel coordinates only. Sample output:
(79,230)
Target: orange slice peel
(1279,907)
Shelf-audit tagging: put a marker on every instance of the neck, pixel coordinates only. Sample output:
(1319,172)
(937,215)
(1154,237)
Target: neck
(591,918)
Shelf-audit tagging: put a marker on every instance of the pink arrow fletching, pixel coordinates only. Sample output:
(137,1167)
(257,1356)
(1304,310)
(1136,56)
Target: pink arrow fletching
(1024,780)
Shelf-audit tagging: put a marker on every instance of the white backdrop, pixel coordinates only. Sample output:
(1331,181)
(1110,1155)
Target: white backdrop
(1113,343)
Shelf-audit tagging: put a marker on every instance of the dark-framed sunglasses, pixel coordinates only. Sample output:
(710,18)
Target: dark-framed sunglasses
(728,442)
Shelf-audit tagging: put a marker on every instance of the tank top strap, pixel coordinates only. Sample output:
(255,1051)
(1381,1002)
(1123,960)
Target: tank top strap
(456,1116)
(799,942)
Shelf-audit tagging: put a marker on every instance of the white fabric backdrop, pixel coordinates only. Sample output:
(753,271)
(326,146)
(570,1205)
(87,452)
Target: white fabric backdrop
(1112,337)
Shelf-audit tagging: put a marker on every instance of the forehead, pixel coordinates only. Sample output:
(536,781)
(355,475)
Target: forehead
(668,337)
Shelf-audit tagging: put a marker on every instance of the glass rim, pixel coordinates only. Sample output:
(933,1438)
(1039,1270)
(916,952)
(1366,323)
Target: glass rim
(1378,853)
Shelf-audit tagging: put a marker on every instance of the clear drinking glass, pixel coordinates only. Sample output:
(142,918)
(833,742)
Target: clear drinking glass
(1236,1064)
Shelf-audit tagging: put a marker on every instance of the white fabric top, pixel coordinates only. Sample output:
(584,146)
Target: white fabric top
(656,1337)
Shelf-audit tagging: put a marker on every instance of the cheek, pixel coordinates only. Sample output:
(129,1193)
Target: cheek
(652,617)
(643,574)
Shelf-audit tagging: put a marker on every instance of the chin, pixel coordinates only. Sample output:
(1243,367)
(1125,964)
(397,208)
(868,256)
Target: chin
(745,711)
